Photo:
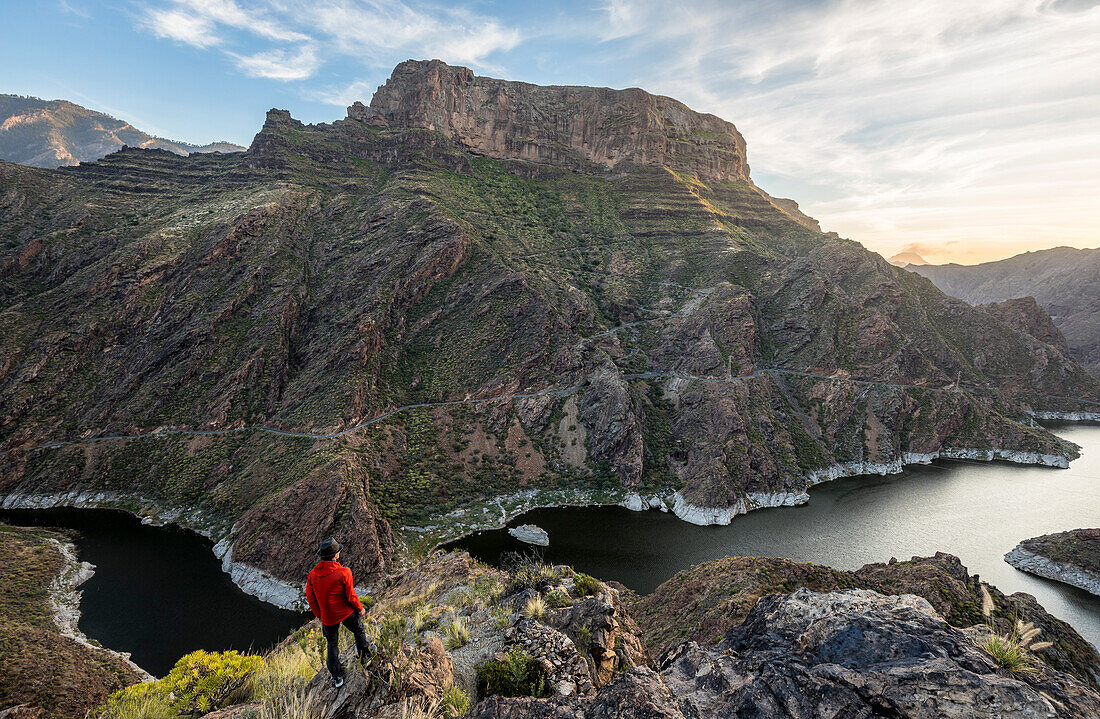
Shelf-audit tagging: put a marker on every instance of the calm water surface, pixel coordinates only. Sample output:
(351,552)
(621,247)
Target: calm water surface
(975,510)
(159,592)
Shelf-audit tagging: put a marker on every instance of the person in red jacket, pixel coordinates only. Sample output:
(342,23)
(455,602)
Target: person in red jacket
(332,598)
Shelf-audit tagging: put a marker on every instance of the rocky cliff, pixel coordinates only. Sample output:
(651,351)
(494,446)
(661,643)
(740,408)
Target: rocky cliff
(56,133)
(1064,281)
(797,653)
(406,323)
(1071,557)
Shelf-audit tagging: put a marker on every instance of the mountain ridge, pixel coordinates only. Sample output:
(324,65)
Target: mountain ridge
(517,332)
(56,133)
(1064,281)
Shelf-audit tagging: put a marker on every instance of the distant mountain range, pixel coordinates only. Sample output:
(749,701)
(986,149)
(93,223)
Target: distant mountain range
(55,133)
(1063,280)
(908,257)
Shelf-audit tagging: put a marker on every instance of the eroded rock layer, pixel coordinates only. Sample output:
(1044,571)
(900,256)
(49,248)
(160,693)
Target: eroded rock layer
(476,291)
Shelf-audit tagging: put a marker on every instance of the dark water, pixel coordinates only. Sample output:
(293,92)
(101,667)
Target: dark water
(975,510)
(159,592)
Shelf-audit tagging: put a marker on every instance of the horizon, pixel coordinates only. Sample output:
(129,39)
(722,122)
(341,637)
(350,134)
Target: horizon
(964,134)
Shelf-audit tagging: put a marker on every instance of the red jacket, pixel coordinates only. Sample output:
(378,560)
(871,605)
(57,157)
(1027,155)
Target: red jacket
(330,592)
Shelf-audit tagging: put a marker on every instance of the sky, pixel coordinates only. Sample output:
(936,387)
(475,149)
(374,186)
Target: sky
(964,130)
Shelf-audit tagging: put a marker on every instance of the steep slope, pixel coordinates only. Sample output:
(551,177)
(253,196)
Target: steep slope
(1064,281)
(54,133)
(414,319)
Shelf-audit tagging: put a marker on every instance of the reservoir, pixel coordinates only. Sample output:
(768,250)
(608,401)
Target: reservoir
(159,592)
(977,511)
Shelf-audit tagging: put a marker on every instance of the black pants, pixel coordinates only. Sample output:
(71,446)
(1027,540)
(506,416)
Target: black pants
(332,637)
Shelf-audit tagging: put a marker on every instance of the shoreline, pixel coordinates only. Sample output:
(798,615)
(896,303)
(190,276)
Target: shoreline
(289,595)
(707,516)
(65,602)
(1040,566)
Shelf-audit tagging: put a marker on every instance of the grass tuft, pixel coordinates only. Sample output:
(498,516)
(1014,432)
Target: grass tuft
(456,633)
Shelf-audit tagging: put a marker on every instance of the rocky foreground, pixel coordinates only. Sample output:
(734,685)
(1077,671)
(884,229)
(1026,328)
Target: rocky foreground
(1071,557)
(541,641)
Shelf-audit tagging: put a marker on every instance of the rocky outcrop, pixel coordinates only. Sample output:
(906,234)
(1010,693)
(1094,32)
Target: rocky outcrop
(530,534)
(1025,315)
(701,604)
(853,653)
(1069,557)
(571,126)
(861,654)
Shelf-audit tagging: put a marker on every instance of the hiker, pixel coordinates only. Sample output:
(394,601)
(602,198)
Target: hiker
(331,595)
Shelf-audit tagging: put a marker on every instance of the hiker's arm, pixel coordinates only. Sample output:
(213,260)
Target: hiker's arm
(353,598)
(311,597)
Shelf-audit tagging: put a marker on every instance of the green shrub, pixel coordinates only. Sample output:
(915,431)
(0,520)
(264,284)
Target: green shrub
(502,616)
(288,668)
(517,675)
(1007,653)
(586,584)
(455,702)
(584,636)
(199,682)
(388,633)
(1011,651)
(140,701)
(557,599)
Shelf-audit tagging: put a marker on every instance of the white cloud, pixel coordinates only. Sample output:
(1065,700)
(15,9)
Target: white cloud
(279,64)
(371,30)
(182,26)
(902,122)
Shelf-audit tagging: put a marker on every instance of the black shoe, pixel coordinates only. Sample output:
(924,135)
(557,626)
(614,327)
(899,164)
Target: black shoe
(337,682)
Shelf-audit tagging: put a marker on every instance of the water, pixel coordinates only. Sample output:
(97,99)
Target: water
(159,592)
(977,511)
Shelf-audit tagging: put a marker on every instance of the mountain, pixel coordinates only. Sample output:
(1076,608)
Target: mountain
(1064,281)
(55,133)
(470,297)
(907,258)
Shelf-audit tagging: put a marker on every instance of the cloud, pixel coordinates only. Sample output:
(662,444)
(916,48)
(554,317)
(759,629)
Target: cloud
(371,30)
(293,37)
(182,26)
(279,64)
(895,122)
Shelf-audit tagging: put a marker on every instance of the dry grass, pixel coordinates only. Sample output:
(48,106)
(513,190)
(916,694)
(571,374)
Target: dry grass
(535,607)
(456,633)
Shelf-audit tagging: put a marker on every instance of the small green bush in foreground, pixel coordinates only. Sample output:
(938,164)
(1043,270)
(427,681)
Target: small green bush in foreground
(517,675)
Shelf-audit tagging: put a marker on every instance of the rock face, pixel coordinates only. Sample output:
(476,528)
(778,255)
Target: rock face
(556,125)
(860,654)
(390,327)
(1025,314)
(1064,281)
(1070,557)
(852,653)
(703,603)
(531,534)
(56,133)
